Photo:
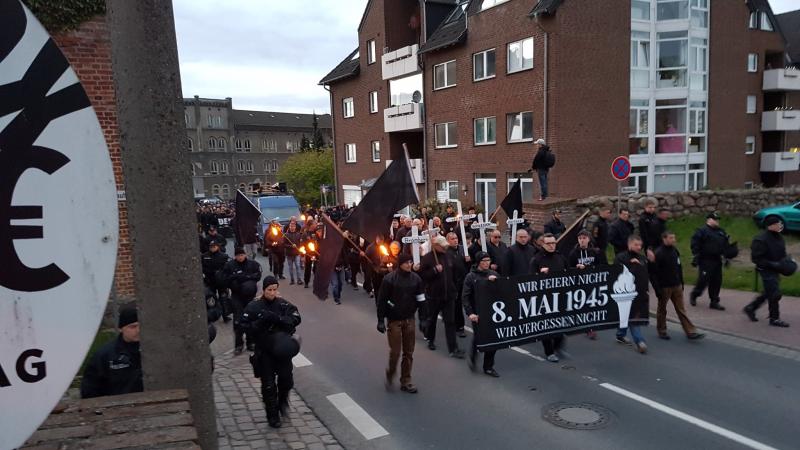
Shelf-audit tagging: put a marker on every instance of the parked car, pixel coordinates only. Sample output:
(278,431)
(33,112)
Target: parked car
(788,214)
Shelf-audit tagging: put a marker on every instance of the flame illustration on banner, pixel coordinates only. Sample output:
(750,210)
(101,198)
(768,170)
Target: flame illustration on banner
(624,293)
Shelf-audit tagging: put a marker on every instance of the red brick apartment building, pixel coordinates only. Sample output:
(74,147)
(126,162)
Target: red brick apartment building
(697,92)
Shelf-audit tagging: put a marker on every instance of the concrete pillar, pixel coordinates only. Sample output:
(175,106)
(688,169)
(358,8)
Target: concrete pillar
(166,266)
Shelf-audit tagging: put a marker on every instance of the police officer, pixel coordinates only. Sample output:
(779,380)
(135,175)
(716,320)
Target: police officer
(708,246)
(116,368)
(213,261)
(768,252)
(242,276)
(270,322)
(212,235)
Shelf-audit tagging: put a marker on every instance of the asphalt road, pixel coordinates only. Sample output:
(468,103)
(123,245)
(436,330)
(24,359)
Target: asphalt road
(706,394)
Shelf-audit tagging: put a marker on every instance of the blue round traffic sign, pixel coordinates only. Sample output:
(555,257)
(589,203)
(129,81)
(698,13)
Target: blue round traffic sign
(621,168)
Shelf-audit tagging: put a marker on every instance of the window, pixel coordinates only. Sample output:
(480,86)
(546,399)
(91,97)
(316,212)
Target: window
(445,135)
(640,10)
(673,59)
(221,144)
(349,153)
(526,183)
(486,191)
(215,189)
(700,13)
(766,25)
(270,145)
(520,55)
(753,20)
(212,144)
(243,187)
(672,9)
(402,90)
(671,126)
(223,167)
(698,64)
(444,75)
(373,102)
(370,51)
(752,62)
(639,127)
(638,179)
(213,167)
(186,118)
(194,170)
(640,59)
(240,166)
(519,127)
(749,145)
(483,65)
(450,187)
(696,177)
(485,130)
(376,151)
(210,121)
(226,190)
(271,166)
(190,144)
(247,145)
(347,108)
(490,3)
(238,144)
(751,104)
(669,178)
(218,121)
(748,185)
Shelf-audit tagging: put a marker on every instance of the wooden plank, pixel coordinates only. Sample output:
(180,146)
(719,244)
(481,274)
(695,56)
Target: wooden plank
(145,438)
(144,423)
(119,412)
(58,434)
(139,398)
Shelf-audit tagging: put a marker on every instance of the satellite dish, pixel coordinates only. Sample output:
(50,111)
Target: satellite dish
(416,96)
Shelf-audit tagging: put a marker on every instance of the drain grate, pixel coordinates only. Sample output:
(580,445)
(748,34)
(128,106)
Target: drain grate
(577,416)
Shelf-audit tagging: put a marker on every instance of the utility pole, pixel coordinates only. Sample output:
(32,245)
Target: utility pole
(161,216)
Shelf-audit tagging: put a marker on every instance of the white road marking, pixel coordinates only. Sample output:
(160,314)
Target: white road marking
(516,349)
(300,361)
(736,437)
(356,415)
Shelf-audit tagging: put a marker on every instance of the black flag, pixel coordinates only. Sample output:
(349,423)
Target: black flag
(393,191)
(569,239)
(247,216)
(329,250)
(513,201)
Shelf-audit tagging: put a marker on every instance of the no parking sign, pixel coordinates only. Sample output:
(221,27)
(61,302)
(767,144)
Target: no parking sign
(621,168)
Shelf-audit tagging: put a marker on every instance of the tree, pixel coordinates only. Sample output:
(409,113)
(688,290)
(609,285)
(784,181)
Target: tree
(305,144)
(305,172)
(318,142)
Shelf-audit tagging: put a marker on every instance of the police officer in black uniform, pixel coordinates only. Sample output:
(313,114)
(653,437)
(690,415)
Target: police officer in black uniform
(768,252)
(213,262)
(116,368)
(270,322)
(709,244)
(242,275)
(213,236)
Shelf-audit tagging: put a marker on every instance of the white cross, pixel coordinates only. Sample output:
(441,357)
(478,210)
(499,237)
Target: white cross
(514,221)
(415,239)
(481,226)
(460,218)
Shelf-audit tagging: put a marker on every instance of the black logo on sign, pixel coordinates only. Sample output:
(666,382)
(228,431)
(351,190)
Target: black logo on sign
(28,98)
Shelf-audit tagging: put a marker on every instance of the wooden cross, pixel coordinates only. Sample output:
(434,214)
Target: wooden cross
(514,221)
(460,218)
(415,240)
(481,226)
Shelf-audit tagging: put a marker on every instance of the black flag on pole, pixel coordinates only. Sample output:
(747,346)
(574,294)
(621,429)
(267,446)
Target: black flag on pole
(569,239)
(329,250)
(393,191)
(247,215)
(513,201)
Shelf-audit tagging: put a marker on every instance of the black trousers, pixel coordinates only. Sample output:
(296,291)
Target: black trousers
(278,258)
(377,280)
(366,269)
(459,312)
(772,294)
(239,304)
(355,268)
(488,356)
(310,266)
(552,344)
(435,307)
(710,275)
(276,382)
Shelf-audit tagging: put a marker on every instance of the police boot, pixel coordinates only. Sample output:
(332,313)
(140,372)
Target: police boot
(283,402)
(271,406)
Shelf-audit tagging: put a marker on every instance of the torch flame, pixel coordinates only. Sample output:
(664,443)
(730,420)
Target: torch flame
(312,247)
(302,217)
(274,231)
(384,250)
(302,250)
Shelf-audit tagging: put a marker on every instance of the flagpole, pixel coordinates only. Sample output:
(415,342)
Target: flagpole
(494,213)
(344,235)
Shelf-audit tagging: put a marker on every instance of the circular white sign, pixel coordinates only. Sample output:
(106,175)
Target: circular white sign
(58,224)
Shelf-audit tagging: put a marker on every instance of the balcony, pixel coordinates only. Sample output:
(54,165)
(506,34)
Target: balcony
(786,120)
(781,80)
(400,62)
(780,161)
(406,117)
(417,169)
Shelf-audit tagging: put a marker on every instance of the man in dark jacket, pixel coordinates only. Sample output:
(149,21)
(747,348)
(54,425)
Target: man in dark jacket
(648,226)
(273,240)
(668,276)
(600,233)
(555,226)
(374,267)
(242,275)
(542,163)
(768,252)
(636,263)
(116,367)
(708,246)
(292,239)
(270,321)
(212,235)
(400,295)
(583,255)
(461,266)
(548,261)
(497,249)
(436,271)
(619,231)
(481,271)
(213,262)
(519,255)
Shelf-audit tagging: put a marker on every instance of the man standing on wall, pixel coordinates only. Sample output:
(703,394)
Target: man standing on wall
(544,160)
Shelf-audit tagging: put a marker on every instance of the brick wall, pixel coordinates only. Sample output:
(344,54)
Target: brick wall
(88,50)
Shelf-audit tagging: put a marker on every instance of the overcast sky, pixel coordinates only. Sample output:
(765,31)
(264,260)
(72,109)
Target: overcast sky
(270,54)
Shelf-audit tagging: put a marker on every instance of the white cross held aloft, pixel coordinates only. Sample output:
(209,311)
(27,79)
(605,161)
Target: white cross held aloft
(415,240)
(460,218)
(481,226)
(514,221)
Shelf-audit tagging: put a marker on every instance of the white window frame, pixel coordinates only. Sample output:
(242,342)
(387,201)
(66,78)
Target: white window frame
(373,102)
(640,108)
(212,144)
(765,23)
(247,146)
(191,144)
(639,3)
(375,146)
(749,185)
(223,167)
(753,21)
(750,145)
(240,166)
(248,166)
(218,120)
(752,104)
(522,43)
(226,190)
(447,81)
(213,167)
(214,189)
(526,182)
(658,19)
(485,140)
(371,51)
(448,126)
(521,117)
(641,49)
(237,143)
(210,121)
(752,62)
(448,184)
(350,155)
(486,4)
(483,55)
(348,108)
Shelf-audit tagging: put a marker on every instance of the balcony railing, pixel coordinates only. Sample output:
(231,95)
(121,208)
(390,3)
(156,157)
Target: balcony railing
(780,120)
(780,161)
(400,62)
(407,117)
(781,80)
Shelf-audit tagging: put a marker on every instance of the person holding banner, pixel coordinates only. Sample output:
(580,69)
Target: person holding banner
(519,255)
(498,250)
(436,270)
(480,271)
(461,267)
(581,257)
(637,265)
(549,261)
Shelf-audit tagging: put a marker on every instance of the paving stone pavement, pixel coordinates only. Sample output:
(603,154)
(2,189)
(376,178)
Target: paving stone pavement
(242,422)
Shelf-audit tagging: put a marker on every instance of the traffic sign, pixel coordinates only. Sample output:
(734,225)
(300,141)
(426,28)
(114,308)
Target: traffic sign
(58,224)
(621,168)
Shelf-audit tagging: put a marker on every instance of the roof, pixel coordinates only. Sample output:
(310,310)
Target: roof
(364,16)
(545,7)
(790,24)
(347,68)
(763,6)
(278,119)
(452,31)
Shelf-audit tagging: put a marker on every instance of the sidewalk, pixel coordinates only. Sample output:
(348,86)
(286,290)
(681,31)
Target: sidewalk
(242,423)
(733,321)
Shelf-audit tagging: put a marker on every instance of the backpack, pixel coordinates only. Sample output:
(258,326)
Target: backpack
(549,159)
